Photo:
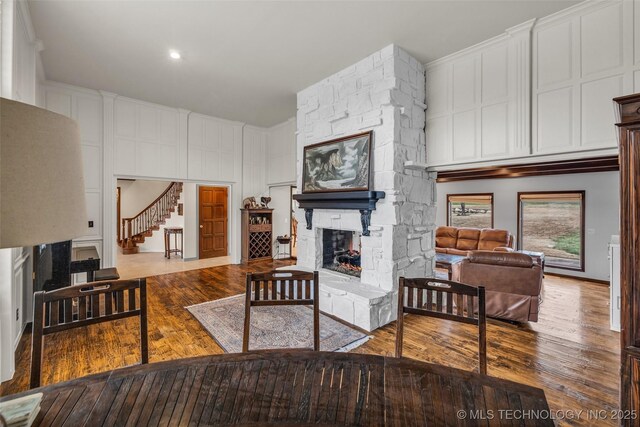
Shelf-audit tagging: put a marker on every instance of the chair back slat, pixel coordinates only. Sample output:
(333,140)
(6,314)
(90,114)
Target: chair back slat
(420,297)
(82,308)
(459,305)
(95,306)
(54,313)
(108,303)
(68,311)
(83,305)
(282,288)
(449,304)
(120,301)
(132,299)
(470,309)
(438,301)
(256,290)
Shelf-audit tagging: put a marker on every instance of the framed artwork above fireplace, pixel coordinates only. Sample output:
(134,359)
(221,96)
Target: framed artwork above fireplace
(342,164)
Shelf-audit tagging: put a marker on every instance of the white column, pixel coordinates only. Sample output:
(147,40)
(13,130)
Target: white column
(108,183)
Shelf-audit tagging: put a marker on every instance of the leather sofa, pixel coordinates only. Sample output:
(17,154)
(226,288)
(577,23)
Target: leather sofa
(512,281)
(458,241)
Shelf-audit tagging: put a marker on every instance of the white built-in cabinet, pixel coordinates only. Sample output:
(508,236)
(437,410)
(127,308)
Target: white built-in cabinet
(478,102)
(543,88)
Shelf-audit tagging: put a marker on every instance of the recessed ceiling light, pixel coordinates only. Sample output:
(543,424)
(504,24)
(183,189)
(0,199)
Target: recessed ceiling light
(174,54)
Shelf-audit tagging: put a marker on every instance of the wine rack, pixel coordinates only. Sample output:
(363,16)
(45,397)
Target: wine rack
(257,235)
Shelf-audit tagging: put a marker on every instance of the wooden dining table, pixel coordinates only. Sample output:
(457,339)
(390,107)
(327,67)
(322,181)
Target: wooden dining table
(299,387)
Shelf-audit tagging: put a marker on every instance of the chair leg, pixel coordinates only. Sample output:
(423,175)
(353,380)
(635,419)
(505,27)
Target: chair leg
(400,319)
(144,330)
(316,312)
(482,331)
(37,339)
(247,316)
(36,360)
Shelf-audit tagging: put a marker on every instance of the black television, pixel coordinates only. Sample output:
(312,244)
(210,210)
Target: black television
(52,266)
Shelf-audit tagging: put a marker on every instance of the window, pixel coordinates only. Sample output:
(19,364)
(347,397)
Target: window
(470,210)
(553,223)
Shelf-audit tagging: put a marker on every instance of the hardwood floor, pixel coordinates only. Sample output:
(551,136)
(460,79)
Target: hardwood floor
(570,352)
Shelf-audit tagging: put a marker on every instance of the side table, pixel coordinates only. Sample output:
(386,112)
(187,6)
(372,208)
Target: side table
(168,231)
(283,248)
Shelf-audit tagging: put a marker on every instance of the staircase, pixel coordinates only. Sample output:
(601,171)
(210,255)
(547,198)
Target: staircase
(134,230)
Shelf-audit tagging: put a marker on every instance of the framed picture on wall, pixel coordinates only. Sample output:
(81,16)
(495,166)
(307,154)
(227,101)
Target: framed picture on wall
(342,164)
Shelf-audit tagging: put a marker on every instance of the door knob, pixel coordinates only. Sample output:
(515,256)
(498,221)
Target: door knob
(201,226)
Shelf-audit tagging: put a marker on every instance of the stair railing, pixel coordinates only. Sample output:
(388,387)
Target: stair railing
(152,215)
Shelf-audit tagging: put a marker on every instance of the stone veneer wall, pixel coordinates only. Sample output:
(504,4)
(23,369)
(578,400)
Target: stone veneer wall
(384,92)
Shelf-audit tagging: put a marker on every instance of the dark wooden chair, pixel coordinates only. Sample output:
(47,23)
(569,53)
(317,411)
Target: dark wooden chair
(443,299)
(83,305)
(289,287)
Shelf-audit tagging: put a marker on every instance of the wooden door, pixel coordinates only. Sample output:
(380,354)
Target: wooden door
(213,221)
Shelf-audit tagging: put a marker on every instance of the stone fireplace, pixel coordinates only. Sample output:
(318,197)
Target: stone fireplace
(341,251)
(385,93)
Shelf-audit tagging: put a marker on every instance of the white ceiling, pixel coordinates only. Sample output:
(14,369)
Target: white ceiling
(245,60)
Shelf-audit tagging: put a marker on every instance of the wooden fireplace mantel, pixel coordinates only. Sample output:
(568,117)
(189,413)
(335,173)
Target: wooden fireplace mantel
(364,201)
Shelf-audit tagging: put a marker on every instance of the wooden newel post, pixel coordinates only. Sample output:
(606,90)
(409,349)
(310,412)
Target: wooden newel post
(129,240)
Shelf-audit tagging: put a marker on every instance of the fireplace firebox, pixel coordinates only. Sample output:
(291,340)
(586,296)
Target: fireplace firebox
(341,251)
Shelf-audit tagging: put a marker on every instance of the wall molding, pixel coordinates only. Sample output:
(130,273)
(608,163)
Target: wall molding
(558,167)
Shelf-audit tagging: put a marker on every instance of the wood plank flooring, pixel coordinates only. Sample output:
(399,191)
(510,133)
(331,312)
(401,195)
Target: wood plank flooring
(570,352)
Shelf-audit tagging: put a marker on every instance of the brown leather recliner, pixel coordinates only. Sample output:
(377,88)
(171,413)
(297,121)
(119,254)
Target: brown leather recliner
(513,283)
(458,241)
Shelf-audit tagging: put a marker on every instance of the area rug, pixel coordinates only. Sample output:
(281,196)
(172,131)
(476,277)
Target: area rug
(272,327)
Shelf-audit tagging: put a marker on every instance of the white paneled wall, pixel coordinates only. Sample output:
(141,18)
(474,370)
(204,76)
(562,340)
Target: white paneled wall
(124,137)
(148,140)
(573,63)
(478,101)
(84,106)
(281,153)
(24,58)
(253,160)
(582,58)
(215,149)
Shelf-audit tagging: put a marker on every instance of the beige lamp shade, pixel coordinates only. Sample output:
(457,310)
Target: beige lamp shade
(41,177)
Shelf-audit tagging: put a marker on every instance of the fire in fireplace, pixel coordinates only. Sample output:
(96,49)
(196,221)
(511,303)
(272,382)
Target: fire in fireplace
(341,251)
